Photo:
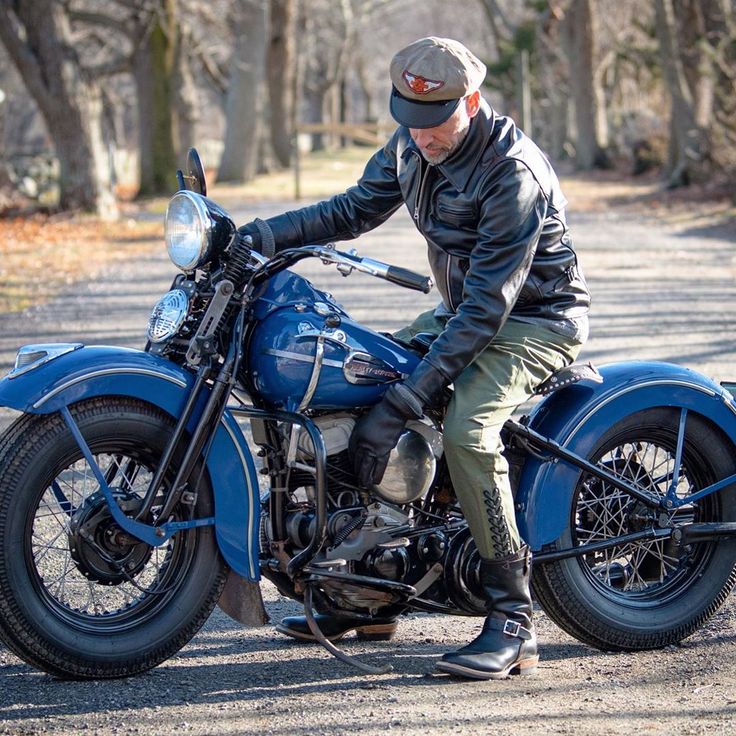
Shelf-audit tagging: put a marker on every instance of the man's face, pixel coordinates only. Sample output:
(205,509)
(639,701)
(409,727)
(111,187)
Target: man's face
(439,143)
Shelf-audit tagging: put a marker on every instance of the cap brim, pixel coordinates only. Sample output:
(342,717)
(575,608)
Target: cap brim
(415,114)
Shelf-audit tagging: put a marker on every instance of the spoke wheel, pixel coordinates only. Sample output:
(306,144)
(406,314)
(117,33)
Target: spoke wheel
(646,569)
(86,567)
(648,593)
(78,596)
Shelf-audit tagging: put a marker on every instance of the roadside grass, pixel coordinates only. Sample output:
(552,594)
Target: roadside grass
(322,174)
(41,255)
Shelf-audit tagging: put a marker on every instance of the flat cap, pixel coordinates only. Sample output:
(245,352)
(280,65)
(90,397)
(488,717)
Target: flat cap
(430,77)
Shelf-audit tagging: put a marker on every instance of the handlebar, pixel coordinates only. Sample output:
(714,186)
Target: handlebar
(347,262)
(409,279)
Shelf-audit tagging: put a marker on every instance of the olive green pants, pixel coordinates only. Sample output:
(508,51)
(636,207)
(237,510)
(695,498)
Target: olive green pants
(486,394)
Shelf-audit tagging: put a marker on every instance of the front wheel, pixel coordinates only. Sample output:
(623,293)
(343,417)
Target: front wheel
(647,594)
(80,598)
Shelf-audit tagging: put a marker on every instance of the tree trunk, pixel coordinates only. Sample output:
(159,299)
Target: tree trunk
(366,89)
(152,71)
(525,93)
(314,100)
(186,99)
(581,31)
(37,37)
(280,65)
(239,161)
(688,145)
(696,61)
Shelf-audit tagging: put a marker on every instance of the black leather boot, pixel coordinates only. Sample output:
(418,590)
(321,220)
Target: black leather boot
(336,627)
(507,645)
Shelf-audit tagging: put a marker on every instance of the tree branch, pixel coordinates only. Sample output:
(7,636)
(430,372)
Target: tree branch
(12,34)
(144,6)
(118,65)
(494,13)
(211,67)
(98,19)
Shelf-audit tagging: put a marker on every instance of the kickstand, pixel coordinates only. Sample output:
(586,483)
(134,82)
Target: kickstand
(330,647)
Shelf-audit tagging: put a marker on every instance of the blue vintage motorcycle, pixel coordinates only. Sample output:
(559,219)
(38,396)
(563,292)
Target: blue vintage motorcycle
(130,500)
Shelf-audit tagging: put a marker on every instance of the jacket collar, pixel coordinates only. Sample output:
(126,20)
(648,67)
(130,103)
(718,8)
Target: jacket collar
(458,168)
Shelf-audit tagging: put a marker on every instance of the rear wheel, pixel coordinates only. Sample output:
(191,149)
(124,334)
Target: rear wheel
(646,594)
(79,597)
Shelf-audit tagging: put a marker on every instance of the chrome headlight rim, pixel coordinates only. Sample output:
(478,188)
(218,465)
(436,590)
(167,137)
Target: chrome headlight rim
(202,221)
(168,315)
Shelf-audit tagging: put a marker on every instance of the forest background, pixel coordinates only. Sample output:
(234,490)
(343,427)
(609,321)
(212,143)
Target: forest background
(100,99)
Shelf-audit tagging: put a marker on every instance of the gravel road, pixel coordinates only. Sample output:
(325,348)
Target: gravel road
(661,292)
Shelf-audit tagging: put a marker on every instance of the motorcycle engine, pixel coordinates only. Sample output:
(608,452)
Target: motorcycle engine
(362,526)
(412,463)
(375,532)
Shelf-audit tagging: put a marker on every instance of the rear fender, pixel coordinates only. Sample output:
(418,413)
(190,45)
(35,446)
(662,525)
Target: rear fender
(578,415)
(89,372)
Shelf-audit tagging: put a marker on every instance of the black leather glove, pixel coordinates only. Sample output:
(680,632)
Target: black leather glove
(251,230)
(377,433)
(428,383)
(261,235)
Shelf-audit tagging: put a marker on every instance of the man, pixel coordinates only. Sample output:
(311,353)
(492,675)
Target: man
(514,309)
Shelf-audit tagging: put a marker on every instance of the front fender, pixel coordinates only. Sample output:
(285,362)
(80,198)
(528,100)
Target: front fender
(577,416)
(95,371)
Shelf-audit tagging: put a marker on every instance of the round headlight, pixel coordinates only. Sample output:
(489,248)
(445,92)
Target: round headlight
(168,315)
(187,230)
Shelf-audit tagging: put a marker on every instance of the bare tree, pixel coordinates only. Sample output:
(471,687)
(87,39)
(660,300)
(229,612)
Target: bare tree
(724,56)
(504,70)
(151,40)
(329,35)
(280,62)
(185,93)
(152,70)
(709,29)
(243,108)
(337,53)
(37,37)
(581,33)
(688,142)
(525,62)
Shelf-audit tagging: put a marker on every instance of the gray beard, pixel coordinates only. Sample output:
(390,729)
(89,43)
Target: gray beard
(442,157)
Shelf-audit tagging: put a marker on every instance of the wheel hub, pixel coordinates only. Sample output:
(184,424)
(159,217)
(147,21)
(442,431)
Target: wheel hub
(101,550)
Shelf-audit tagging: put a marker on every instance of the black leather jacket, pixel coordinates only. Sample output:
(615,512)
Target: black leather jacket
(493,218)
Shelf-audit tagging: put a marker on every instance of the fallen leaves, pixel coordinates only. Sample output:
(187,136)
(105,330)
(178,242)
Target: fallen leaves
(41,255)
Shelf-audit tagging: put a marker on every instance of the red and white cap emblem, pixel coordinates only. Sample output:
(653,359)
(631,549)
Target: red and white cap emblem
(421,85)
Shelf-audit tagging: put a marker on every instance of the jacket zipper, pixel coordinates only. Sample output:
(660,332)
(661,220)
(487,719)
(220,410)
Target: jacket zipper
(417,204)
(421,190)
(447,281)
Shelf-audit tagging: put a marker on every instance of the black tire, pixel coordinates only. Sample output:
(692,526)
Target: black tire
(650,594)
(65,607)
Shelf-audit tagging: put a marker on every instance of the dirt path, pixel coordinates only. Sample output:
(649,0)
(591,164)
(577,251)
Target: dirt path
(660,292)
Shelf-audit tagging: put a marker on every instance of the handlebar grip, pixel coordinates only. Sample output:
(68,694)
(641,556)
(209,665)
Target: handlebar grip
(409,279)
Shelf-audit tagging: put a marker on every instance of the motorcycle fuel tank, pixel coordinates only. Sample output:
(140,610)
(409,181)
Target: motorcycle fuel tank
(306,352)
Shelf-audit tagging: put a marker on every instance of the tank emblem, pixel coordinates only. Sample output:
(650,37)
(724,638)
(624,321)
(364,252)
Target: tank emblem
(362,368)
